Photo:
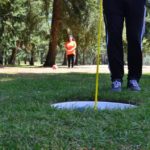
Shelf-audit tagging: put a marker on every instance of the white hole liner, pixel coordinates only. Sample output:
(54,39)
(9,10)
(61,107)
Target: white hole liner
(90,105)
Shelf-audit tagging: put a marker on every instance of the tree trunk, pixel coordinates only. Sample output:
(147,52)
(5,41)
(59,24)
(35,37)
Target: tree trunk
(77,53)
(65,59)
(83,57)
(5,58)
(32,58)
(41,57)
(1,49)
(13,56)
(55,30)
(76,57)
(1,57)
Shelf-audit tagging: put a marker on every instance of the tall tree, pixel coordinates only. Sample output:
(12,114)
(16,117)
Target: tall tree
(76,15)
(55,31)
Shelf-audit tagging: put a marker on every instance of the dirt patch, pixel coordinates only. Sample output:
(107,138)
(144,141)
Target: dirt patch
(61,69)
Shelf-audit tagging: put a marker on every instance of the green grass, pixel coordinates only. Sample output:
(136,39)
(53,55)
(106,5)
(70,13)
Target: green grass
(28,122)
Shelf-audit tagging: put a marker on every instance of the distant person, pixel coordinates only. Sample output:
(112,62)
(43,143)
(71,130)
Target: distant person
(70,46)
(133,13)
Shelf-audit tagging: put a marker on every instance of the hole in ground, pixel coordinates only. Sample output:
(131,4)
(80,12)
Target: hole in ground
(101,105)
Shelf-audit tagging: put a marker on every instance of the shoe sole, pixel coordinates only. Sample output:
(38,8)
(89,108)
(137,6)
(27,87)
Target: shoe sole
(131,89)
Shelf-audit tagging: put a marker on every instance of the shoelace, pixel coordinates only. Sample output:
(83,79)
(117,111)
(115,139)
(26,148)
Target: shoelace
(117,84)
(134,83)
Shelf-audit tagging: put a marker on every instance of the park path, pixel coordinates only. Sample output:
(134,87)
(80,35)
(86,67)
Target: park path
(61,69)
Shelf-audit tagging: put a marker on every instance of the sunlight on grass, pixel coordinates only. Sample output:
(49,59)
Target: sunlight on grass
(6,79)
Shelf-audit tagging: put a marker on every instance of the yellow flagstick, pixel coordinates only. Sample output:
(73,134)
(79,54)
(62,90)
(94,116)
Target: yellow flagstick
(98,52)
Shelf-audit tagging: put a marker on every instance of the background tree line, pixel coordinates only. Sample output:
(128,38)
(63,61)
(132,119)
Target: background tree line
(35,31)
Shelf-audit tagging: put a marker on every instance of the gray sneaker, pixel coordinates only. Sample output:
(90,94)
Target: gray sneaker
(133,85)
(116,86)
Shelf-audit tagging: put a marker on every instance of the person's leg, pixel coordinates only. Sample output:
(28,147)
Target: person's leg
(72,59)
(135,25)
(68,61)
(114,18)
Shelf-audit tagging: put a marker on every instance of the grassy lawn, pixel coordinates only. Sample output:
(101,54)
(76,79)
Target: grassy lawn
(28,122)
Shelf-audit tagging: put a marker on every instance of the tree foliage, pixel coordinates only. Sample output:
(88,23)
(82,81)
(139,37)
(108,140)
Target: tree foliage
(31,29)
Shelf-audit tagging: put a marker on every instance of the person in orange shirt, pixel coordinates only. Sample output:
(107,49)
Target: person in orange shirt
(70,46)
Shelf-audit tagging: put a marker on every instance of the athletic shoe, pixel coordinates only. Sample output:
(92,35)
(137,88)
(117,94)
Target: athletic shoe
(116,86)
(133,85)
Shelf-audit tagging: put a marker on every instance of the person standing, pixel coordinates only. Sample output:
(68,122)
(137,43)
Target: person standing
(133,13)
(70,46)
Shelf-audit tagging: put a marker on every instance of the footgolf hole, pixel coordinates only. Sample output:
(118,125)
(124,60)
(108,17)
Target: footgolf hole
(101,105)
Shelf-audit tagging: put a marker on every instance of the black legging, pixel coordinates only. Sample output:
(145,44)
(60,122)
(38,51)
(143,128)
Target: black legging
(70,60)
(133,12)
